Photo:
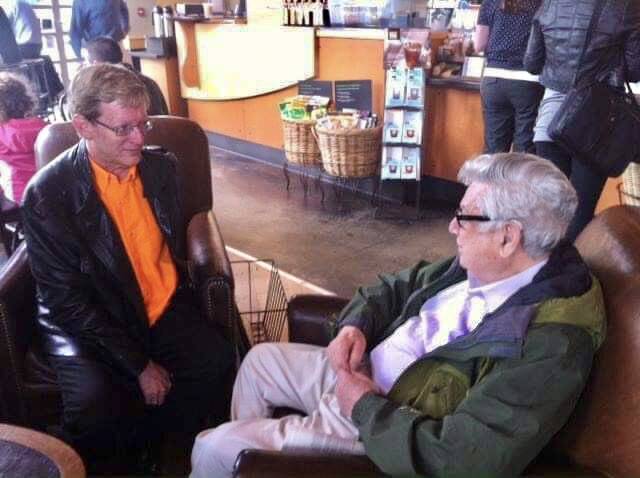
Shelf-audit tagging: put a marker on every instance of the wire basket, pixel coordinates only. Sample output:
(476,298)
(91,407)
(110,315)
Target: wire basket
(261,299)
(300,146)
(350,153)
(629,190)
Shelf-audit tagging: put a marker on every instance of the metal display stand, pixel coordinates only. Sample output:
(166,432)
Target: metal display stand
(305,175)
(405,149)
(342,187)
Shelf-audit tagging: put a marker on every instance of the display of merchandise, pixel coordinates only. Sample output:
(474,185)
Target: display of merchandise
(348,120)
(403,124)
(303,107)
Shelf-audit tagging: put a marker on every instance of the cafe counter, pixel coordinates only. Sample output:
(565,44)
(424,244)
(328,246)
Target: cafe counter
(233,76)
(234,90)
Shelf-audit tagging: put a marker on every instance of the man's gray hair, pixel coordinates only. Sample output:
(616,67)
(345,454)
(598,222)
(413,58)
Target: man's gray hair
(527,189)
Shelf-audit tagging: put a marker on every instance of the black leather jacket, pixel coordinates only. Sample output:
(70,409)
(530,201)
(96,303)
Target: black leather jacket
(558,35)
(88,296)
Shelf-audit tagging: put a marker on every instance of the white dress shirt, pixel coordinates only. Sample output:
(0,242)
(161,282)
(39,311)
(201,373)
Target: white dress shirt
(451,313)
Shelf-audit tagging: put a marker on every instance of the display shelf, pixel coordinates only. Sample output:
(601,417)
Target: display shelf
(404,118)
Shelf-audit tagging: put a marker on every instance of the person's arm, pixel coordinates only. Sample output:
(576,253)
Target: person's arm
(535,55)
(501,425)
(483,25)
(63,273)
(480,38)
(363,320)
(76,28)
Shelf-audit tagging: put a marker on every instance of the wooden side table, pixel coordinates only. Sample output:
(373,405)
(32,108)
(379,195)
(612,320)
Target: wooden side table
(25,452)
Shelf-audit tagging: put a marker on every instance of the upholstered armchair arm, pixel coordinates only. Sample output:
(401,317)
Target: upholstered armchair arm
(311,317)
(17,312)
(271,464)
(211,270)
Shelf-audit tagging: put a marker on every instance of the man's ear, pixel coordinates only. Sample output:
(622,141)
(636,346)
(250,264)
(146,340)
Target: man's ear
(84,127)
(511,239)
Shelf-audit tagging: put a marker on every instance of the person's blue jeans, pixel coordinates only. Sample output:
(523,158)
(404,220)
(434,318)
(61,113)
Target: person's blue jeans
(509,108)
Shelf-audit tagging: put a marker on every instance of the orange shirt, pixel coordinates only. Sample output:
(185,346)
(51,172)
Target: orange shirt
(147,250)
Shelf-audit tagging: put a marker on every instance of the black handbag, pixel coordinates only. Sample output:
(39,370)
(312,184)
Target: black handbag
(597,122)
(600,125)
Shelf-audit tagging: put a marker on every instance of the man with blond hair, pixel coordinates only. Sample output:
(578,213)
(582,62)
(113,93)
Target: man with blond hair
(464,367)
(117,311)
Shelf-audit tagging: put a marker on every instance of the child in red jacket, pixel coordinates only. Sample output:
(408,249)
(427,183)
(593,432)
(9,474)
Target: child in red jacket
(18,132)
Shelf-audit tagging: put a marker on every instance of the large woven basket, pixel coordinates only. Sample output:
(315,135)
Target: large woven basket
(630,192)
(300,145)
(351,153)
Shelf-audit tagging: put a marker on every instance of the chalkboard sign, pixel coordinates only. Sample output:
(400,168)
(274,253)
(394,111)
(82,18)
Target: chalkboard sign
(354,94)
(315,87)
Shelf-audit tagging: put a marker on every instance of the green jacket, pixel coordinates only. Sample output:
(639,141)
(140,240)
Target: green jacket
(487,403)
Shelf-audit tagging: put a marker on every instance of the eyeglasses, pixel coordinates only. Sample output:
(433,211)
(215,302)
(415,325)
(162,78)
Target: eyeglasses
(144,127)
(469,217)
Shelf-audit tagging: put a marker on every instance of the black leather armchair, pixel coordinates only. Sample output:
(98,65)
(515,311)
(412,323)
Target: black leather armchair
(603,434)
(28,391)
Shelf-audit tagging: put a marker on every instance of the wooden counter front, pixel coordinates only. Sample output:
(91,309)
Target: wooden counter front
(221,61)
(257,119)
(454,130)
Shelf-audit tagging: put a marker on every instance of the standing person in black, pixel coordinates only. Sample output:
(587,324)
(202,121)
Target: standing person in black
(510,95)
(558,50)
(118,314)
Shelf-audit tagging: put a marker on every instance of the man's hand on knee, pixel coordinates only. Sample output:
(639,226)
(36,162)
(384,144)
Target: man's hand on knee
(350,388)
(155,383)
(345,352)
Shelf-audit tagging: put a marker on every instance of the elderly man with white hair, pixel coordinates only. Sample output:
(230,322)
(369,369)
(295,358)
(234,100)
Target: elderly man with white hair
(464,367)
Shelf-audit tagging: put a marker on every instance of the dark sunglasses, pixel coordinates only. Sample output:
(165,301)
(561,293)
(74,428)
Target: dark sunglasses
(469,217)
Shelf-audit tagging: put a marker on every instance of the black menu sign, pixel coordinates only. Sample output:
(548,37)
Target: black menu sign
(354,94)
(316,87)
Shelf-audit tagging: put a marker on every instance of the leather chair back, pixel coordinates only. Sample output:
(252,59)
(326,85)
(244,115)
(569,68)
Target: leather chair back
(168,132)
(604,431)
(17,300)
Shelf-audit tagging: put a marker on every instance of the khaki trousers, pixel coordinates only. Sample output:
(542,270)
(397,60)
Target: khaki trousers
(277,375)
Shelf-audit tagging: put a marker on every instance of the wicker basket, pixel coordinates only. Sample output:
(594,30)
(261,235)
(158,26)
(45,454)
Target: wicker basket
(630,192)
(300,146)
(352,153)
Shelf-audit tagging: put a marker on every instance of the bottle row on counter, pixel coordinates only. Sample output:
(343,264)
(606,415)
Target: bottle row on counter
(310,13)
